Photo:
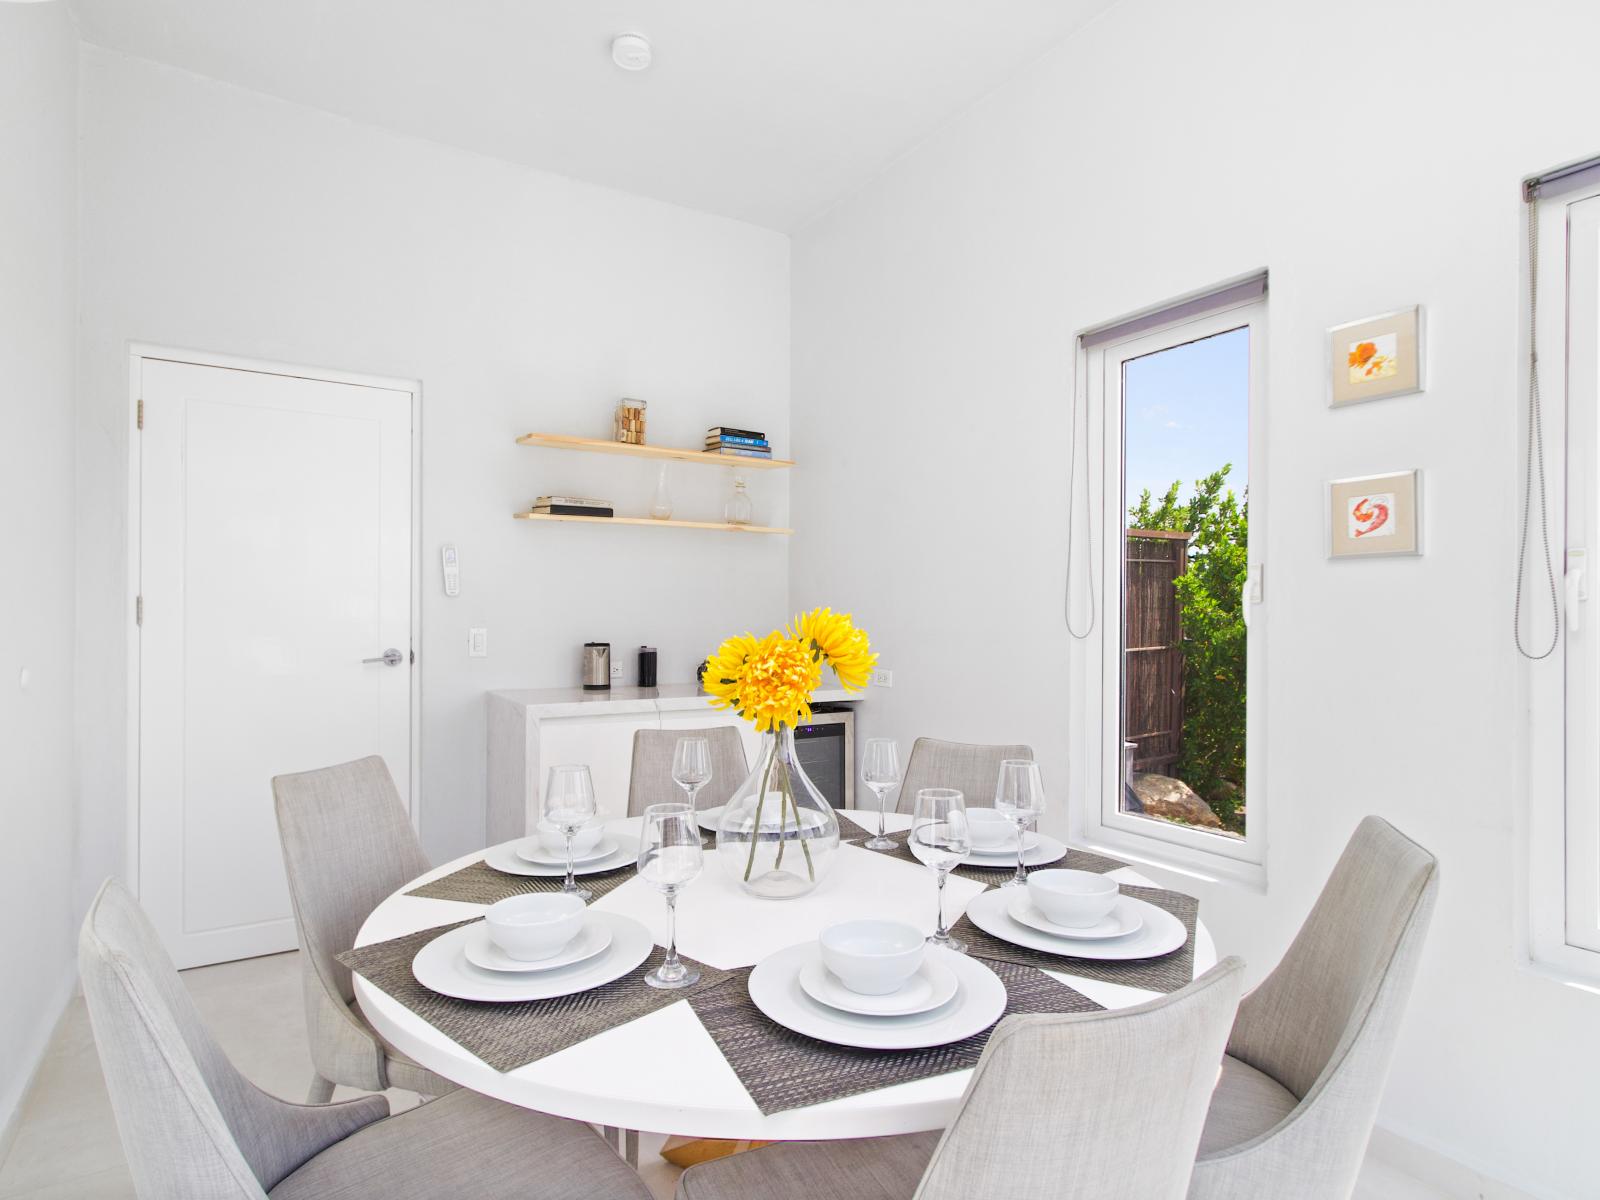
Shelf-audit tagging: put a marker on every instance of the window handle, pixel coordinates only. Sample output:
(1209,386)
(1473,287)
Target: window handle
(1251,592)
(1577,589)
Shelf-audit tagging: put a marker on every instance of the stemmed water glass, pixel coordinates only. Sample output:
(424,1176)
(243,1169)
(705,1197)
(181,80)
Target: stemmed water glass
(568,804)
(1019,796)
(880,771)
(691,765)
(670,857)
(940,838)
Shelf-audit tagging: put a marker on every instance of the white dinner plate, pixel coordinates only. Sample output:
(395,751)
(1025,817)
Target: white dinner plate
(1046,850)
(504,857)
(533,850)
(932,985)
(441,966)
(1123,919)
(1161,933)
(480,950)
(1009,850)
(979,1002)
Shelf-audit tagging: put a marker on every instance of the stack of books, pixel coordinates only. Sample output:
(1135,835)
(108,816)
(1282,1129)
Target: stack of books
(572,506)
(746,442)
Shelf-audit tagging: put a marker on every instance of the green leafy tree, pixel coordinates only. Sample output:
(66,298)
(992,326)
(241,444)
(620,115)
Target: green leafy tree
(1210,597)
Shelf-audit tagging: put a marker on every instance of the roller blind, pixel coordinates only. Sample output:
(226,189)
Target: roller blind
(1225,297)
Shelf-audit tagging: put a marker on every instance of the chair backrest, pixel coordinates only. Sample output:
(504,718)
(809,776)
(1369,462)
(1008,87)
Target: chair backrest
(347,844)
(972,770)
(1320,997)
(193,1128)
(1325,1022)
(650,780)
(1107,1104)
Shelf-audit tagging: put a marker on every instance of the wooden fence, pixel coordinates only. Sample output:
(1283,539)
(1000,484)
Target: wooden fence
(1153,635)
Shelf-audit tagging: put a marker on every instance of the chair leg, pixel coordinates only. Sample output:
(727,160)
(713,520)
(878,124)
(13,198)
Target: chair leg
(321,1091)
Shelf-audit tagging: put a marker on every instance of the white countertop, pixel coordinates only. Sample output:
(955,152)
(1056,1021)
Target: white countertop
(574,701)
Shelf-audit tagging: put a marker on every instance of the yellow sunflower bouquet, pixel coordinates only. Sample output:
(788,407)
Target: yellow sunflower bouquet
(769,682)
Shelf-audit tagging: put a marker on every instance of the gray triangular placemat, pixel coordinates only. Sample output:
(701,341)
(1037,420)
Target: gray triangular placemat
(1076,860)
(479,883)
(508,1036)
(1165,974)
(782,1069)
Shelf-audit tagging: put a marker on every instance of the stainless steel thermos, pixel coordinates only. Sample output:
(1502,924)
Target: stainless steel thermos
(597,666)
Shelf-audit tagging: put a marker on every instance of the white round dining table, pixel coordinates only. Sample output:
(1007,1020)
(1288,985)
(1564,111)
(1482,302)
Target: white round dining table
(662,1073)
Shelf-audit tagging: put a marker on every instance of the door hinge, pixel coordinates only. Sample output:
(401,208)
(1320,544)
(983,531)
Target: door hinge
(138,610)
(139,417)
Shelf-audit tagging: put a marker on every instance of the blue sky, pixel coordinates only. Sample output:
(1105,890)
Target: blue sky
(1187,413)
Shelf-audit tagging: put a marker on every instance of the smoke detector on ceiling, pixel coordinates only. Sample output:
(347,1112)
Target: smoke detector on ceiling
(630,52)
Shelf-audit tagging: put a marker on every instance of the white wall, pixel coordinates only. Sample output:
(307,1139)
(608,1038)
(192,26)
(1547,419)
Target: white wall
(222,220)
(38,298)
(1369,155)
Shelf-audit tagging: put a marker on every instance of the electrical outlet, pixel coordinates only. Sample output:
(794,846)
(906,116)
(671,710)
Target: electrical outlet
(883,679)
(477,643)
(616,670)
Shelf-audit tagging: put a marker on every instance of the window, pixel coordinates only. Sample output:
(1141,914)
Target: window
(1168,677)
(1564,810)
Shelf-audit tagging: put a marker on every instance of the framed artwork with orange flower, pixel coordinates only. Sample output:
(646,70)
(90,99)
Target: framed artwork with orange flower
(1375,358)
(1375,515)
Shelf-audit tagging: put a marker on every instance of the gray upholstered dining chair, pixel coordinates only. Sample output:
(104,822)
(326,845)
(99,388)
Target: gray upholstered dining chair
(1105,1104)
(194,1128)
(1310,1049)
(971,770)
(650,779)
(347,844)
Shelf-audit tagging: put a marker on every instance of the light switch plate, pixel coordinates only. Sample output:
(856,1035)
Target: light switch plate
(478,643)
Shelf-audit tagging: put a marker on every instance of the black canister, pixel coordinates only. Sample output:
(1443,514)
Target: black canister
(647,666)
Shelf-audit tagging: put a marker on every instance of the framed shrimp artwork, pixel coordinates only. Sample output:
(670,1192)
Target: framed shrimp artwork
(1375,358)
(1375,516)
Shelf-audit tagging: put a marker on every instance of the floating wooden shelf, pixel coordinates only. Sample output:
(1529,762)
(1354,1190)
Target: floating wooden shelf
(560,441)
(533,516)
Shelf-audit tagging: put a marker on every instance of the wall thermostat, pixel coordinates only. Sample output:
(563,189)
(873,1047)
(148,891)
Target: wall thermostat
(452,569)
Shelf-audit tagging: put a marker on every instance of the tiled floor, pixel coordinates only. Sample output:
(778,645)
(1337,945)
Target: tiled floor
(66,1142)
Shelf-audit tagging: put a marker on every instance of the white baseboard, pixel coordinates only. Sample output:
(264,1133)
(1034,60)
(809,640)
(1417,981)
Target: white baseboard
(33,1057)
(1439,1171)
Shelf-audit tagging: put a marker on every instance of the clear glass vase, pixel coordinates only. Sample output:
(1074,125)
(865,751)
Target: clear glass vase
(778,836)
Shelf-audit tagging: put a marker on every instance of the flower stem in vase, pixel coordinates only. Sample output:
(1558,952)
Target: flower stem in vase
(755,837)
(783,813)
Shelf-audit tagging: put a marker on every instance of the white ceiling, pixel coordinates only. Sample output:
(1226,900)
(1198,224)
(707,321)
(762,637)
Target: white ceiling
(764,111)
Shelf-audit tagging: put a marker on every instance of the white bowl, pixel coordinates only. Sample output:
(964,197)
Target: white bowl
(1074,898)
(585,840)
(990,829)
(533,927)
(873,958)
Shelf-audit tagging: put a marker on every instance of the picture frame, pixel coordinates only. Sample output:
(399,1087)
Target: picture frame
(1376,358)
(1375,516)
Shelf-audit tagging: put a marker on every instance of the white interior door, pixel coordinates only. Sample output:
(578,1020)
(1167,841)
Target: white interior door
(275,556)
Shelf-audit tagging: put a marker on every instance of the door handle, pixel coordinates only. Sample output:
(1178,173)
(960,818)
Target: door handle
(390,657)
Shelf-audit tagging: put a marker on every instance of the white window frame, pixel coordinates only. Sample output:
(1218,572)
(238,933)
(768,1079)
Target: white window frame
(1563,812)
(1095,815)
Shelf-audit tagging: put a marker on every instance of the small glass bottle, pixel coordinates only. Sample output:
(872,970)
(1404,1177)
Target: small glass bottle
(661,506)
(737,511)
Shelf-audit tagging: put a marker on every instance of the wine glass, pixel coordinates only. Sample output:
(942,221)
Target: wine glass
(568,804)
(880,771)
(940,838)
(691,765)
(670,858)
(1019,796)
